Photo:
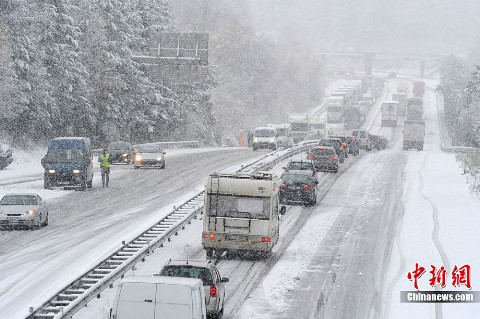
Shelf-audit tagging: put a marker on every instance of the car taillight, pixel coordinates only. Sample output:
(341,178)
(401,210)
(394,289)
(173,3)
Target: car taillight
(345,145)
(208,235)
(333,158)
(341,147)
(310,156)
(282,186)
(307,187)
(266,239)
(213,291)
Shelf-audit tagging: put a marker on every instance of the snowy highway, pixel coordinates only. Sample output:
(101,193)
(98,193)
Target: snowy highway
(346,257)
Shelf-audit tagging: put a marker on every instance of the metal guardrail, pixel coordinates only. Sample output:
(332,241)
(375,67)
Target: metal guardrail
(89,285)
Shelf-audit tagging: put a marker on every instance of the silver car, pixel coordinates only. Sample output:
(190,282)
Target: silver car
(213,283)
(149,156)
(23,210)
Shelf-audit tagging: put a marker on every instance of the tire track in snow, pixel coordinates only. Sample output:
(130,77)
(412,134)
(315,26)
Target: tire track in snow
(436,229)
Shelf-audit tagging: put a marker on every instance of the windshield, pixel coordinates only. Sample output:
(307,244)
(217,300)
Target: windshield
(317,126)
(67,144)
(239,207)
(65,156)
(188,271)
(118,146)
(299,126)
(149,149)
(264,133)
(19,200)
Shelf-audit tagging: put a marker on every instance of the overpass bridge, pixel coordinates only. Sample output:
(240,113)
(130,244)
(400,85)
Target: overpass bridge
(368,59)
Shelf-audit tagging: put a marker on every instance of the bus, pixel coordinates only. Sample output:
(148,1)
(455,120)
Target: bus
(241,214)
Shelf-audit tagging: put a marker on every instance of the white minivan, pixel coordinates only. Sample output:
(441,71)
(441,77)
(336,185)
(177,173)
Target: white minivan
(159,297)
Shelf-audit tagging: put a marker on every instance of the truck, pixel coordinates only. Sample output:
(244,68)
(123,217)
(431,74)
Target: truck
(352,117)
(335,107)
(347,93)
(401,98)
(284,134)
(390,113)
(299,126)
(414,108)
(241,213)
(418,88)
(413,134)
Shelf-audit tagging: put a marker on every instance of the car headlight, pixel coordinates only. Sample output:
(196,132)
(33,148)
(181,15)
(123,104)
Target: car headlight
(31,212)
(76,171)
(272,140)
(125,155)
(255,140)
(159,158)
(138,158)
(51,171)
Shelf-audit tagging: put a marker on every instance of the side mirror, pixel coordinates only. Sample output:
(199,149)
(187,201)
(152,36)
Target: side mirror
(42,161)
(110,316)
(164,152)
(283,210)
(224,280)
(316,182)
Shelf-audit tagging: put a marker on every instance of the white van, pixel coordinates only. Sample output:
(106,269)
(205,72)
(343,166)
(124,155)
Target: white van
(265,137)
(159,297)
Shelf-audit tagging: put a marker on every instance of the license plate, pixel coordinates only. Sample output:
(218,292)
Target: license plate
(235,237)
(13,218)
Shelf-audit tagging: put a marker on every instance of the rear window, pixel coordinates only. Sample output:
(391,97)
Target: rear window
(320,151)
(188,271)
(363,134)
(300,166)
(295,178)
(326,142)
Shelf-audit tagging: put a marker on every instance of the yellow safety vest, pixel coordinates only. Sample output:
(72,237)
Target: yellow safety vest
(105,160)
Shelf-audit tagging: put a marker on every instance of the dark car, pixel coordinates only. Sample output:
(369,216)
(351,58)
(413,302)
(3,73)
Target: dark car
(378,142)
(68,163)
(353,145)
(345,144)
(121,152)
(301,166)
(324,158)
(337,145)
(298,187)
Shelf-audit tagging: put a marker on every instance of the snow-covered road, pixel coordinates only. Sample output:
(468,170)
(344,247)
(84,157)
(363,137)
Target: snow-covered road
(346,257)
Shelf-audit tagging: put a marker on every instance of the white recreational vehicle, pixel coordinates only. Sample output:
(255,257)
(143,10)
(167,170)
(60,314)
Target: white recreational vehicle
(241,213)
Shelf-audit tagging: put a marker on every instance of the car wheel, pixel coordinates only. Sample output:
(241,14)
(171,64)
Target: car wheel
(38,225)
(210,253)
(163,166)
(47,184)
(135,167)
(335,170)
(90,184)
(45,223)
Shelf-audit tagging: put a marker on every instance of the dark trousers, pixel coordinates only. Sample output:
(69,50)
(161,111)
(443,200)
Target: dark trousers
(105,176)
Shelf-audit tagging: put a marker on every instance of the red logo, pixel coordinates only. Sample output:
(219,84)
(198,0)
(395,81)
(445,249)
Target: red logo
(438,276)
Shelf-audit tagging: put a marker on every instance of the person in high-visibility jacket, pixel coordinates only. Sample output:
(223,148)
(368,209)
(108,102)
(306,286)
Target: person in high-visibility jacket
(105,160)
(330,131)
